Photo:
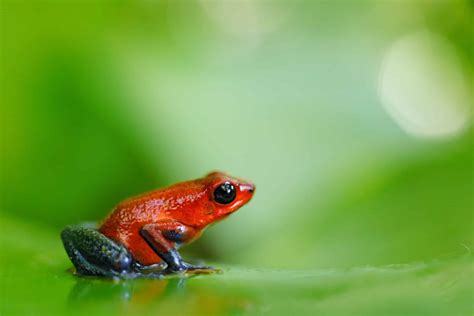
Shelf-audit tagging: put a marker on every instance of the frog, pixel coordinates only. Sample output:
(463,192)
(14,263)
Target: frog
(141,236)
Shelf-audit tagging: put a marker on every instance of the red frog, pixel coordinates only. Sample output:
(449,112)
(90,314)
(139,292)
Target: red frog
(141,236)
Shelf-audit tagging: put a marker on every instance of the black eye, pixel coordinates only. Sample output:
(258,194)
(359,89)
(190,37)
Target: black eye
(225,193)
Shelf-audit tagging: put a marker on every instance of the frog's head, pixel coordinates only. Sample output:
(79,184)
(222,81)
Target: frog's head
(227,194)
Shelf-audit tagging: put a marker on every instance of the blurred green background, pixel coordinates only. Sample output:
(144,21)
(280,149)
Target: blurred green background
(353,118)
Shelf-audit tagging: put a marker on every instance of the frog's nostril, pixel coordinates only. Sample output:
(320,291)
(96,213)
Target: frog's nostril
(247,187)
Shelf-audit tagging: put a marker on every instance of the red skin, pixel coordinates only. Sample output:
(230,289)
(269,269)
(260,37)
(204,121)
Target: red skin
(187,207)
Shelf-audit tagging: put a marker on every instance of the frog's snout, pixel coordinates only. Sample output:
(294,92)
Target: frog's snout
(247,187)
(246,192)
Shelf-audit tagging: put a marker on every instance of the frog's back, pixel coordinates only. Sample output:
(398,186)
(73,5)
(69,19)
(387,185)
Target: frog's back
(154,205)
(137,209)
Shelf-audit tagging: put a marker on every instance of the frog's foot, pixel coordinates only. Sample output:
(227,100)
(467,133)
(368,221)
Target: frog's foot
(190,269)
(92,253)
(153,269)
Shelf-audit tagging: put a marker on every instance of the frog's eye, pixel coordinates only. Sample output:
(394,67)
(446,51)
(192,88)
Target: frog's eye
(225,193)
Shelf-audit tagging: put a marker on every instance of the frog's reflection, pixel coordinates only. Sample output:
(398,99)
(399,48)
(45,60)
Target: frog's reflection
(92,290)
(170,296)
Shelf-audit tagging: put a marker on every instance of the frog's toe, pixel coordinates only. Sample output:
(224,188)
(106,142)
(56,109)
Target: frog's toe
(200,269)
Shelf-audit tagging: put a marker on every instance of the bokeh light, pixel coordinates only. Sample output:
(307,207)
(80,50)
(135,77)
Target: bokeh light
(423,86)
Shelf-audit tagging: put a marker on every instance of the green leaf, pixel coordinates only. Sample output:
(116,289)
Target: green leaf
(36,278)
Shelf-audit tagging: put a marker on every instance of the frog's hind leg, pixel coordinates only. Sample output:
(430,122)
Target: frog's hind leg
(92,253)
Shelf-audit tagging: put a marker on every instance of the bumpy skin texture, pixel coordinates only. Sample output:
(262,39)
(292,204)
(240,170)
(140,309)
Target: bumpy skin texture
(94,254)
(150,227)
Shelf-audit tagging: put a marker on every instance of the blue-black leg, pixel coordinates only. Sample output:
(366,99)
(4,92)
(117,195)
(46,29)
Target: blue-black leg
(164,238)
(92,253)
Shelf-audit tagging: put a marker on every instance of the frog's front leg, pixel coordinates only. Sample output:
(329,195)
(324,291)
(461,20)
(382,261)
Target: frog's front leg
(164,238)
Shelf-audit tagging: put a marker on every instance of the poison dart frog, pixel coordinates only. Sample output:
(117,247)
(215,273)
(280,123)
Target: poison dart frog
(142,234)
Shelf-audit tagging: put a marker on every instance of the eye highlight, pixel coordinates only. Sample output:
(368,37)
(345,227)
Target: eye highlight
(225,193)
